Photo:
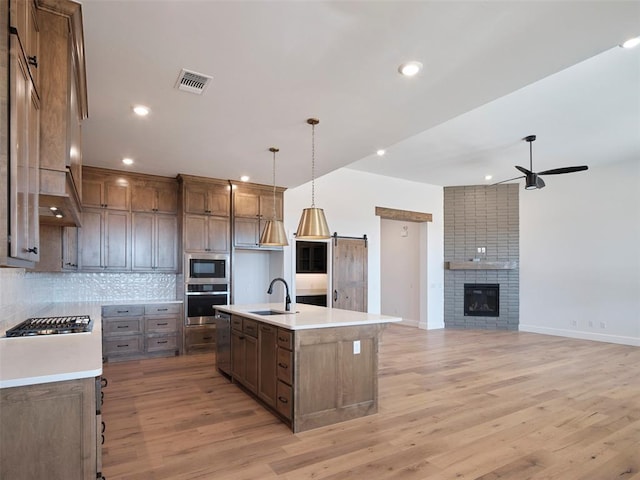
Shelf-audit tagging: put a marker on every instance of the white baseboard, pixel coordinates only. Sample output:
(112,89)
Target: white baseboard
(597,337)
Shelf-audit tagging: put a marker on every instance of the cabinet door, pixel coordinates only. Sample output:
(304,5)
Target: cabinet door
(218,201)
(70,248)
(251,363)
(166,243)
(195,200)
(267,206)
(143,198)
(247,232)
(195,233)
(142,241)
(267,374)
(91,240)
(167,195)
(116,240)
(218,234)
(92,192)
(24,158)
(246,204)
(116,194)
(238,362)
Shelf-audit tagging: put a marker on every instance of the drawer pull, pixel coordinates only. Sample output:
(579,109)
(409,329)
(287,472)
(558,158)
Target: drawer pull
(162,324)
(210,338)
(283,400)
(122,326)
(283,365)
(283,339)
(104,382)
(162,309)
(102,439)
(104,427)
(122,311)
(163,341)
(122,346)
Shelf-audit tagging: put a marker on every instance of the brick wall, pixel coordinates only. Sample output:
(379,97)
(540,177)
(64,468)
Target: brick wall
(481,216)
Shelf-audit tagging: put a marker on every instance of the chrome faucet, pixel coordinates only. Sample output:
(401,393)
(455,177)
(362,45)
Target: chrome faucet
(287,299)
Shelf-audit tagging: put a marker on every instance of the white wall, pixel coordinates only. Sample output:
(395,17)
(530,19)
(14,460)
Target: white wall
(580,255)
(400,267)
(349,198)
(253,270)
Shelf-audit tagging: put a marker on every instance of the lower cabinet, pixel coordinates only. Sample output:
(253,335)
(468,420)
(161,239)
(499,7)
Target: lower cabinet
(141,331)
(262,362)
(200,338)
(59,423)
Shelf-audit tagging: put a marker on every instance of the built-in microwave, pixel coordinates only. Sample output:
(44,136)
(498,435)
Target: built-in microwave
(206,268)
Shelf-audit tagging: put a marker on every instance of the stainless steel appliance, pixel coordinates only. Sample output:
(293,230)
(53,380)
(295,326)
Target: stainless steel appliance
(206,268)
(51,326)
(201,299)
(223,342)
(207,282)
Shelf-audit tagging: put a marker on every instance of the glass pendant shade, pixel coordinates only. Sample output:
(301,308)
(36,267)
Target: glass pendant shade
(274,234)
(313,225)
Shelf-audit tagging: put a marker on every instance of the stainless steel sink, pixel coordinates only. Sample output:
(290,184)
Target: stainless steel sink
(269,312)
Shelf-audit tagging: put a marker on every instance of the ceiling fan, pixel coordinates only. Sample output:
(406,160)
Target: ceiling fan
(532,179)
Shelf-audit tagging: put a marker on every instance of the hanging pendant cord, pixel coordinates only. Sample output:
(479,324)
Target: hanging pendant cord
(274,150)
(313,165)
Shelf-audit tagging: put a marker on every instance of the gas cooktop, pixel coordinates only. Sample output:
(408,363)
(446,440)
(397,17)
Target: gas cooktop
(51,326)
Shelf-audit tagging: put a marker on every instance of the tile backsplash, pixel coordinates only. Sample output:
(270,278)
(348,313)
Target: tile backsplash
(23,293)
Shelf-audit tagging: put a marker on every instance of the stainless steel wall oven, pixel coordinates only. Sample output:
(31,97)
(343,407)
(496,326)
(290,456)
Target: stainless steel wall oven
(207,284)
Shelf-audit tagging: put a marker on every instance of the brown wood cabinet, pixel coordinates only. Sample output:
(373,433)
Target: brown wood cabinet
(244,353)
(59,422)
(157,196)
(105,190)
(199,338)
(267,367)
(59,251)
(204,233)
(206,197)
(104,240)
(141,331)
(154,242)
(253,205)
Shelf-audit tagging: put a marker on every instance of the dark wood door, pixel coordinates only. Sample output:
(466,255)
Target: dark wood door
(350,274)
(267,375)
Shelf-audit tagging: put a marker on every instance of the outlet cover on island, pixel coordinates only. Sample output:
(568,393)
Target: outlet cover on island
(356,347)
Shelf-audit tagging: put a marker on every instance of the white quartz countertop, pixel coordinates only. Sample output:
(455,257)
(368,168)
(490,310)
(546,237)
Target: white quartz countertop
(55,358)
(304,316)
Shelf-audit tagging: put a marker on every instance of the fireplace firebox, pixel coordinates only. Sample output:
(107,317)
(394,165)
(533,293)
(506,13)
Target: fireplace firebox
(482,299)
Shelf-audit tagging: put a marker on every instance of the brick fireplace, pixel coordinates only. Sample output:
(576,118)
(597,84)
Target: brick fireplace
(481,249)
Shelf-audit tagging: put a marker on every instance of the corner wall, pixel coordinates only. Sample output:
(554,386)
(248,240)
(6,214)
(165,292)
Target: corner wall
(481,216)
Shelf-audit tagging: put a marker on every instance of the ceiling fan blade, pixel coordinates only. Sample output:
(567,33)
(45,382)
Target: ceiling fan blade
(558,171)
(539,182)
(524,170)
(505,181)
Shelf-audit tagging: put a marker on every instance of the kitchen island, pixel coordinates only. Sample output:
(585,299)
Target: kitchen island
(313,366)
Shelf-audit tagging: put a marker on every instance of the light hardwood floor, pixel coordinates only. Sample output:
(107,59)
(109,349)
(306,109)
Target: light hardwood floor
(454,404)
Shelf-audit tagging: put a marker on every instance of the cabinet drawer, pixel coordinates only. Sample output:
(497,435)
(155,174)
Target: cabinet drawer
(123,345)
(124,326)
(195,336)
(285,365)
(156,344)
(236,323)
(285,339)
(162,324)
(122,310)
(162,309)
(250,327)
(284,400)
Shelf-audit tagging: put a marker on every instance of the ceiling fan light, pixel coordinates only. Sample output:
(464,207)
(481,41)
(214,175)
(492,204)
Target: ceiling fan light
(274,234)
(313,225)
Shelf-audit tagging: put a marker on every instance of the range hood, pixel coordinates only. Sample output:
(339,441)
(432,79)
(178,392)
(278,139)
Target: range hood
(59,195)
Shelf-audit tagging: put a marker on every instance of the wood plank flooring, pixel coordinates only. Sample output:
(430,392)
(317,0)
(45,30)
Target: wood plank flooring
(454,404)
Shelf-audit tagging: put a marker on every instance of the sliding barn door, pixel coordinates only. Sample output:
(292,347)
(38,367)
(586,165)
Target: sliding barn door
(350,274)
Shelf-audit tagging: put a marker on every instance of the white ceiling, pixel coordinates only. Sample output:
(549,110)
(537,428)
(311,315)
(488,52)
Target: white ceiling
(489,80)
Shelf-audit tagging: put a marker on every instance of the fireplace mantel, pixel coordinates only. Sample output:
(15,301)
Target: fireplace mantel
(481,265)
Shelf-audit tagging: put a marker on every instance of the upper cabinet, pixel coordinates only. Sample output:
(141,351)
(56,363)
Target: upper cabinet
(63,94)
(253,205)
(105,189)
(205,197)
(154,196)
(24,22)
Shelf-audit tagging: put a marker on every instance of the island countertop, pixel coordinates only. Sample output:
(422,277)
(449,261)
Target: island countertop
(305,317)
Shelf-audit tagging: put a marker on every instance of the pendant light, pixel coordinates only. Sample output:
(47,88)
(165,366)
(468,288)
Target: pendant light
(313,224)
(273,234)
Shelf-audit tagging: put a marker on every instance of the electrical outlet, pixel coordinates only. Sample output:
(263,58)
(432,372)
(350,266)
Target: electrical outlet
(356,347)
(591,323)
(574,323)
(603,325)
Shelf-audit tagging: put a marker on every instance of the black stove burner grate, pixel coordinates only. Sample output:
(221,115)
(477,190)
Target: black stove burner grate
(51,326)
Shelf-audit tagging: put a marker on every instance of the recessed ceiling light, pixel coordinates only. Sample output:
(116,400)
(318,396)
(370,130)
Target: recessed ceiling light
(632,42)
(410,69)
(127,161)
(141,110)
(53,209)
(380,152)
(488,177)
(244,178)
(59,215)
